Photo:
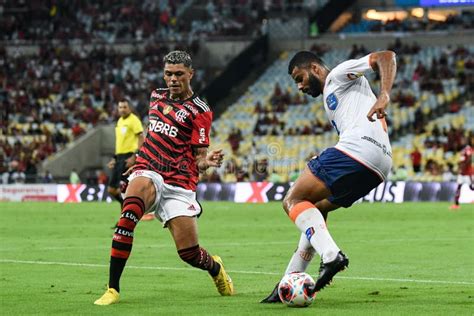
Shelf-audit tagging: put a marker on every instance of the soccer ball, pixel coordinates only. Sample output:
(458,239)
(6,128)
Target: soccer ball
(294,289)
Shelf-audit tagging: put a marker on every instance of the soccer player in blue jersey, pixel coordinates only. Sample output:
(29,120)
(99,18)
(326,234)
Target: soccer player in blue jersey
(342,174)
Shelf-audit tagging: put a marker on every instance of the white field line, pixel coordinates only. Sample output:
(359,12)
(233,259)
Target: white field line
(91,265)
(243,244)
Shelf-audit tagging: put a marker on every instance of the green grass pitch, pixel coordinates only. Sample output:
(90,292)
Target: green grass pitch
(405,259)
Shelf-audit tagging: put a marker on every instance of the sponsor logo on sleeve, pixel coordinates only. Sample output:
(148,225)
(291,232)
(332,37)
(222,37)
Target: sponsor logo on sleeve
(202,135)
(332,101)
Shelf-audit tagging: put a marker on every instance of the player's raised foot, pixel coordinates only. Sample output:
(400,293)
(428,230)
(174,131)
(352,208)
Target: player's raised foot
(454,207)
(273,297)
(328,270)
(148,217)
(223,281)
(111,296)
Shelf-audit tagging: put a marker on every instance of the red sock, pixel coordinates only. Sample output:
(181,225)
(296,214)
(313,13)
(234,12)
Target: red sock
(198,257)
(132,211)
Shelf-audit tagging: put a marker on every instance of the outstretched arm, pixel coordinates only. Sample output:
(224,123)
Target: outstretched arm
(385,64)
(204,160)
(141,139)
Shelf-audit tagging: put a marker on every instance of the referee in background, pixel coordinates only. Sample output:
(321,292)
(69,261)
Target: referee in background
(128,139)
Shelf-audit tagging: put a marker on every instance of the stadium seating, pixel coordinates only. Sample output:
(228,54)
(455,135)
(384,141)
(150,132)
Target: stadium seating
(464,20)
(287,128)
(119,21)
(457,130)
(54,97)
(92,21)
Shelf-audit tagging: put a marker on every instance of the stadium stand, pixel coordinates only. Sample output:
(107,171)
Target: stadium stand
(88,21)
(442,140)
(461,21)
(64,65)
(270,119)
(51,99)
(119,21)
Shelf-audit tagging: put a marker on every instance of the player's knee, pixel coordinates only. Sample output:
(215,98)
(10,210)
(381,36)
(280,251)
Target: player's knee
(142,186)
(288,202)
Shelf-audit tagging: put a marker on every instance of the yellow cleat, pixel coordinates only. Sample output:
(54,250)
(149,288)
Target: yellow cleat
(223,281)
(111,296)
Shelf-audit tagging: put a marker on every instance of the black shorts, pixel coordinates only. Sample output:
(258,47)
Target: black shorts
(120,167)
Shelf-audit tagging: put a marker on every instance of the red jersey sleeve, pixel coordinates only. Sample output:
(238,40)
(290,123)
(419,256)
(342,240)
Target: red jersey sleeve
(201,129)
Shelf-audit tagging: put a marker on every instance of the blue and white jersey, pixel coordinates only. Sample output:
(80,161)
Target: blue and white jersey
(348,99)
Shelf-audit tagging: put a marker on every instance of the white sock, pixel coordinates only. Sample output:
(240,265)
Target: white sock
(301,257)
(312,224)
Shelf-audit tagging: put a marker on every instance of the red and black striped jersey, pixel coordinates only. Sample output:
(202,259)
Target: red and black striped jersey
(174,128)
(465,162)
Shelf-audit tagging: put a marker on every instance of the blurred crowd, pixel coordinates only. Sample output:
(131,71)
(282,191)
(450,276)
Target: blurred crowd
(51,98)
(462,21)
(110,21)
(455,22)
(114,21)
(450,142)
(87,20)
(268,121)
(454,63)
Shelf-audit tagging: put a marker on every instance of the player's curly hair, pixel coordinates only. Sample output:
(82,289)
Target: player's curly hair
(303,59)
(178,57)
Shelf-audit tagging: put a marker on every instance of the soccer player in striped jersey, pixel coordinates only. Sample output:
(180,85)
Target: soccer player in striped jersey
(465,174)
(342,174)
(165,176)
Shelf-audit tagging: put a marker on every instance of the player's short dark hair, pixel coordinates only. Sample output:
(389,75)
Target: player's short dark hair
(303,59)
(178,57)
